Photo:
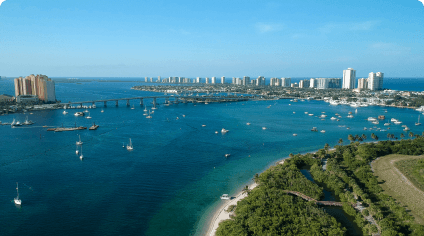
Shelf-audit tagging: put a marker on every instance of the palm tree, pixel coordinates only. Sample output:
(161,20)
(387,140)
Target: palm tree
(393,136)
(364,137)
(388,136)
(373,136)
(411,134)
(326,147)
(351,138)
(256,178)
(402,135)
(341,142)
(357,137)
(246,190)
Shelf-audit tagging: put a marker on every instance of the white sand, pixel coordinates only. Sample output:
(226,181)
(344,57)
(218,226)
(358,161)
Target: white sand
(222,214)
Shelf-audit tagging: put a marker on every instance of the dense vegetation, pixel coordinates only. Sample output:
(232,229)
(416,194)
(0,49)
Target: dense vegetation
(413,170)
(270,211)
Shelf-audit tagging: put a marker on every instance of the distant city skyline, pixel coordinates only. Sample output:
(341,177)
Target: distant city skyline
(211,38)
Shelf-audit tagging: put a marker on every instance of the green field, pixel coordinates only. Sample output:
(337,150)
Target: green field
(414,170)
(395,185)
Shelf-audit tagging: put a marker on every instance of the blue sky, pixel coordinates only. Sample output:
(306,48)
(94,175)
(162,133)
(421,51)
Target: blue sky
(136,38)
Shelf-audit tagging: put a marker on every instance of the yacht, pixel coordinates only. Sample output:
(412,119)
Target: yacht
(17,200)
(264,128)
(397,122)
(79,142)
(65,112)
(386,124)
(130,146)
(322,131)
(225,197)
(350,116)
(314,129)
(227,155)
(294,134)
(333,118)
(371,119)
(247,123)
(28,122)
(224,131)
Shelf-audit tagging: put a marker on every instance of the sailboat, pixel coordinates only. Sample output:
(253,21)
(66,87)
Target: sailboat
(88,117)
(130,146)
(145,109)
(79,142)
(132,108)
(418,123)
(149,116)
(102,111)
(81,156)
(17,200)
(77,151)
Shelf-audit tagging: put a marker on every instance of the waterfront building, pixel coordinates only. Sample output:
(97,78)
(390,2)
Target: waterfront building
(253,82)
(158,79)
(375,81)
(238,81)
(198,80)
(6,98)
(285,82)
(295,85)
(260,81)
(312,83)
(27,99)
(213,81)
(146,79)
(206,80)
(233,81)
(304,83)
(151,79)
(328,83)
(362,83)
(349,78)
(37,85)
(246,80)
(223,80)
(273,82)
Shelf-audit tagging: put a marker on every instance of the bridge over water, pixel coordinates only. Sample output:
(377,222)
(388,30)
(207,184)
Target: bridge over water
(168,99)
(325,203)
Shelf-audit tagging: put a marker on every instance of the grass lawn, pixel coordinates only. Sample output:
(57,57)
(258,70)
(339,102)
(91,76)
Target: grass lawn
(400,188)
(413,169)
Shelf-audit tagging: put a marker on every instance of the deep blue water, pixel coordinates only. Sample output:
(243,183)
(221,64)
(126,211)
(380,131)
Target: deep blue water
(171,182)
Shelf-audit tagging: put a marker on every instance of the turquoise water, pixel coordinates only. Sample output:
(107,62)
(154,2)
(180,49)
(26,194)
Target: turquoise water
(170,184)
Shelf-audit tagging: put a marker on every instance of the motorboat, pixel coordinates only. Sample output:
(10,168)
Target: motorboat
(406,129)
(310,114)
(102,111)
(294,134)
(333,118)
(376,122)
(350,116)
(81,156)
(371,119)
(322,131)
(224,131)
(227,155)
(203,125)
(386,124)
(247,123)
(365,128)
(225,197)
(393,120)
(79,114)
(17,200)
(397,122)
(264,128)
(65,112)
(216,132)
(314,129)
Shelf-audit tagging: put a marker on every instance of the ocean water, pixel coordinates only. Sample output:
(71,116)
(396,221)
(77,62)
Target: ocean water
(171,182)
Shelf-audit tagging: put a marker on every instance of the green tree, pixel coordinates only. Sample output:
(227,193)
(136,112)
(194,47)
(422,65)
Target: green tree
(411,134)
(364,137)
(402,136)
(351,138)
(326,148)
(341,141)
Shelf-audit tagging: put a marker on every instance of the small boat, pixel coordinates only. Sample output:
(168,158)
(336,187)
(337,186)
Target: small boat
(311,114)
(183,115)
(88,117)
(79,142)
(418,123)
(323,116)
(322,131)
(65,112)
(247,123)
(294,112)
(102,111)
(365,128)
(314,129)
(306,112)
(145,109)
(203,125)
(132,108)
(81,156)
(123,145)
(386,124)
(376,122)
(406,129)
(225,197)
(294,134)
(397,122)
(268,106)
(130,146)
(216,132)
(350,116)
(149,116)
(77,151)
(17,200)
(224,131)
(264,128)
(86,110)
(206,103)
(79,114)
(371,119)
(333,118)
(93,127)
(393,120)
(227,155)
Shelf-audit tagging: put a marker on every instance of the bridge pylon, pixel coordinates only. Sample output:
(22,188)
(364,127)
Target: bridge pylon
(116,103)
(141,102)
(105,104)
(128,102)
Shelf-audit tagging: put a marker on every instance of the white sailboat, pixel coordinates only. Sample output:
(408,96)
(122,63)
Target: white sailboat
(88,117)
(17,200)
(130,146)
(102,111)
(149,116)
(77,151)
(418,123)
(145,109)
(79,142)
(65,112)
(132,108)
(81,156)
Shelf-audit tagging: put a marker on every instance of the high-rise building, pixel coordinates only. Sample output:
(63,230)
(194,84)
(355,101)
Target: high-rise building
(39,85)
(375,81)
(260,81)
(327,83)
(198,80)
(304,83)
(223,80)
(286,82)
(213,80)
(207,80)
(362,83)
(312,83)
(246,80)
(146,79)
(349,78)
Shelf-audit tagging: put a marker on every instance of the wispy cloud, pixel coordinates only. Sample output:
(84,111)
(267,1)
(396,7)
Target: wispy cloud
(389,49)
(266,27)
(349,26)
